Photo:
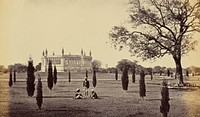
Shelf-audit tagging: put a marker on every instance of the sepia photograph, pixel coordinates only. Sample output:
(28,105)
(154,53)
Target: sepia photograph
(100,58)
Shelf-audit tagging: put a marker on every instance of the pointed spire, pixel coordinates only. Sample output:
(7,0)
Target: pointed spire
(53,53)
(69,53)
(43,53)
(46,52)
(63,51)
(81,51)
(90,53)
(30,58)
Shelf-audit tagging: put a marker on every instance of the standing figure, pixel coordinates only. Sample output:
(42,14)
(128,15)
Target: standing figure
(86,86)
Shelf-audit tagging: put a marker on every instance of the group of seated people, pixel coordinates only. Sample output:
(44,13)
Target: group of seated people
(78,95)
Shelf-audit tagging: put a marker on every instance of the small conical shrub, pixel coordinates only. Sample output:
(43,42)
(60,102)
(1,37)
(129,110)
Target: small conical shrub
(86,74)
(124,78)
(50,76)
(116,74)
(30,79)
(55,75)
(39,97)
(94,79)
(10,83)
(187,73)
(133,74)
(14,76)
(168,73)
(142,84)
(151,73)
(164,107)
(69,76)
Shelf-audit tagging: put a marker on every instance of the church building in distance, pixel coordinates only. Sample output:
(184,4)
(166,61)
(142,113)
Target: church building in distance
(74,63)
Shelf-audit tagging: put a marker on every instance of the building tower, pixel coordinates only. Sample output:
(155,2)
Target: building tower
(46,52)
(63,52)
(90,53)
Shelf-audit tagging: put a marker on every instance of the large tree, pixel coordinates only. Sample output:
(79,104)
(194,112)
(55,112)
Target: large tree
(96,64)
(124,65)
(159,27)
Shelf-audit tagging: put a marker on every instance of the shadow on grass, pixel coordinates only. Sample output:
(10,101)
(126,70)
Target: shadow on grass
(70,97)
(136,114)
(152,99)
(132,91)
(185,89)
(63,91)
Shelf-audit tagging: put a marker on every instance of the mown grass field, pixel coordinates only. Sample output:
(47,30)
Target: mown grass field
(112,102)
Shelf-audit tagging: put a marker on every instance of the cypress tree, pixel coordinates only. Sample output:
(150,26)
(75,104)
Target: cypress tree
(164,107)
(116,74)
(151,73)
(133,74)
(10,83)
(86,74)
(39,97)
(55,75)
(94,78)
(69,76)
(125,78)
(187,73)
(14,76)
(31,79)
(50,76)
(142,85)
(168,73)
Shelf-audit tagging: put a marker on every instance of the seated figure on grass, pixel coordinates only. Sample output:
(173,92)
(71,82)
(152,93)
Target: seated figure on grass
(94,95)
(78,95)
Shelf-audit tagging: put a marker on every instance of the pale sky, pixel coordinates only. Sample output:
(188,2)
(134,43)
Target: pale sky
(27,27)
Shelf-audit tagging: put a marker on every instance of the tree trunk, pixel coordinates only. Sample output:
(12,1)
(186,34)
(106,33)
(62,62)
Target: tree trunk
(179,73)
(133,74)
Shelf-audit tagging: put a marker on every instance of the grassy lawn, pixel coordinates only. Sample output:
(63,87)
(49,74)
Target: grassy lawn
(112,102)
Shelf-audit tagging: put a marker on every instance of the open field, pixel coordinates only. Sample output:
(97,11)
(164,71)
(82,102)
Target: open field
(113,102)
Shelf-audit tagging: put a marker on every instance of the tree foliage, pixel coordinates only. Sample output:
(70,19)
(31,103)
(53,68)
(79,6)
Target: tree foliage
(159,27)
(50,76)
(96,64)
(125,65)
(31,78)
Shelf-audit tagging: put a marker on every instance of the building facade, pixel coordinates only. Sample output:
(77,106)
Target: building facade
(74,63)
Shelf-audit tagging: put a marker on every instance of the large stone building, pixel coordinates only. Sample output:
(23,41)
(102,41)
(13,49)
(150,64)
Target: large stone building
(76,63)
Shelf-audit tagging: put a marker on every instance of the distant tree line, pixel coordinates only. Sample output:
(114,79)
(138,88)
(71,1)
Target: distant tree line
(22,68)
(3,69)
